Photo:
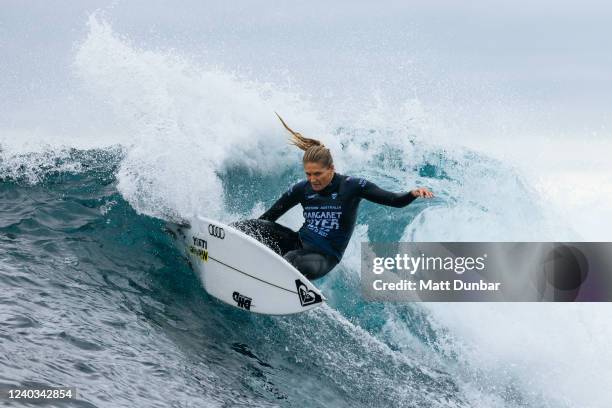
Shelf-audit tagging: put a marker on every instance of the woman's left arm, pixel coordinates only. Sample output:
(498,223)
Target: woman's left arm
(372,192)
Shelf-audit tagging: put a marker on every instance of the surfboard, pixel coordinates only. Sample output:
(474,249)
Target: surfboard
(240,271)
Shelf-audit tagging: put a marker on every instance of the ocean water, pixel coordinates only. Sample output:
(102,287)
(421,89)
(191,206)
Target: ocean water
(95,295)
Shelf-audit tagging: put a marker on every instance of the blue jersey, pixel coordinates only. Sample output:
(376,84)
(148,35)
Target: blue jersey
(330,214)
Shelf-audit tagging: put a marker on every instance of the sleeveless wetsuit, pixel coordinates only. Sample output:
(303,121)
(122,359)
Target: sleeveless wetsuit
(329,220)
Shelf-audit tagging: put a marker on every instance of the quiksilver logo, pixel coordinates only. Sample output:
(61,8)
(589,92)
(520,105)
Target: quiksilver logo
(216,231)
(242,301)
(307,296)
(334,195)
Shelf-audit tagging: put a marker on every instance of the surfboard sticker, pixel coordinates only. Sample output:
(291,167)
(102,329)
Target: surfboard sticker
(216,231)
(307,296)
(242,301)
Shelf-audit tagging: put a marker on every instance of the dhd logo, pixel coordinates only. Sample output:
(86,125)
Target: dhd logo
(242,301)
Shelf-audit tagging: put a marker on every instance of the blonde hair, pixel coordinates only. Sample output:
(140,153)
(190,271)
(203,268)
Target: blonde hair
(314,151)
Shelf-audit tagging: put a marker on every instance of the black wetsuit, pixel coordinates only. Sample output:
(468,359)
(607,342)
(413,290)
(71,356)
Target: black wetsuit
(330,215)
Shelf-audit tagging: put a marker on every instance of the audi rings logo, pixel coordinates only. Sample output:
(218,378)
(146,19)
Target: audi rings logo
(216,232)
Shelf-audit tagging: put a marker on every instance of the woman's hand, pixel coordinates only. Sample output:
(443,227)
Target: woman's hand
(421,192)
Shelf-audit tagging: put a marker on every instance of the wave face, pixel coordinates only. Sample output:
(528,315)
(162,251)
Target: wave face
(95,295)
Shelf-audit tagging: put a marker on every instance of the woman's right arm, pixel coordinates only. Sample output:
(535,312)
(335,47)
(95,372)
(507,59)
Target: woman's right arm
(287,201)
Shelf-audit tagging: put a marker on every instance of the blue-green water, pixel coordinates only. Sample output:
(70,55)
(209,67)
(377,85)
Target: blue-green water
(97,297)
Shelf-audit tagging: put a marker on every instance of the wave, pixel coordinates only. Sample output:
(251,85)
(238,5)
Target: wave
(89,270)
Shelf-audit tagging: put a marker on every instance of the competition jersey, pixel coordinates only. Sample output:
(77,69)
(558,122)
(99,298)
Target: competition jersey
(330,214)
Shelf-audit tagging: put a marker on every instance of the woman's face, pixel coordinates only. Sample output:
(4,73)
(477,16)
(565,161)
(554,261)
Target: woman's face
(318,175)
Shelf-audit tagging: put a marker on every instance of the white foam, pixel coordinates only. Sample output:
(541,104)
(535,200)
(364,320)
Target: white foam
(187,122)
(555,354)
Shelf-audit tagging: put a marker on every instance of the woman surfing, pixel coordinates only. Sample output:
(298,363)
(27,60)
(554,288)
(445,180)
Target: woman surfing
(330,202)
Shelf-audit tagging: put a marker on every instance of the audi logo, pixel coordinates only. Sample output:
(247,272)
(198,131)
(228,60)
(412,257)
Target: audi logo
(216,232)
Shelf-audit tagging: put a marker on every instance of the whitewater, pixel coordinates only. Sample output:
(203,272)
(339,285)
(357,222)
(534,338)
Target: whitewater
(96,296)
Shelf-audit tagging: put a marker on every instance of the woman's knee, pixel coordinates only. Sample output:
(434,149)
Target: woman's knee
(291,256)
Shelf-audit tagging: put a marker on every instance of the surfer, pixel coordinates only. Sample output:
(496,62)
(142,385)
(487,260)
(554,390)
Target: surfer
(330,201)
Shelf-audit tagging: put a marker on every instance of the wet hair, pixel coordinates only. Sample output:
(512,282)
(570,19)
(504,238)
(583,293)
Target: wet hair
(314,151)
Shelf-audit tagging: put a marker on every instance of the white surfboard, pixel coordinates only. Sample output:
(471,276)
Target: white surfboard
(242,272)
